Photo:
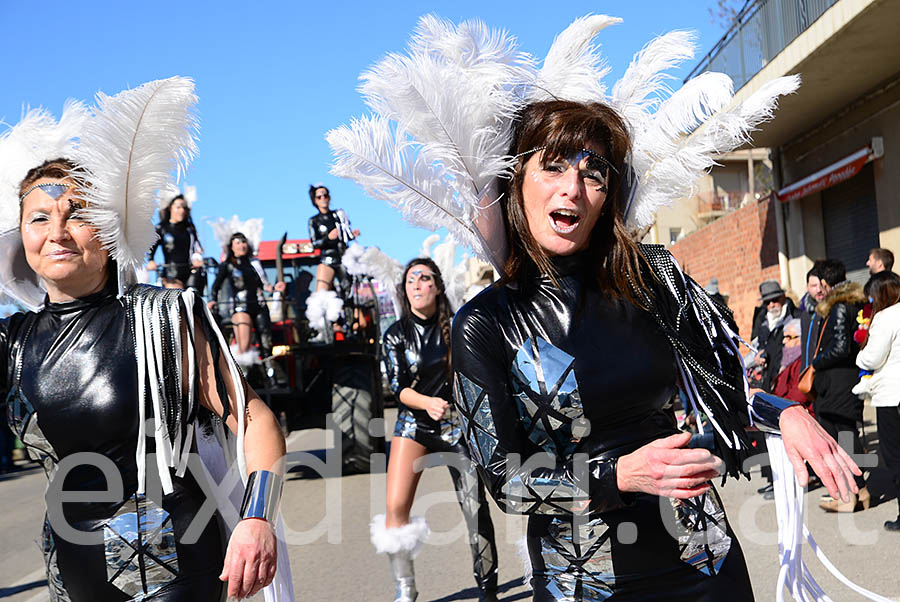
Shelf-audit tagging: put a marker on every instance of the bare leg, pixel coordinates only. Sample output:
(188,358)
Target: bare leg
(324,277)
(172,283)
(241,322)
(402,480)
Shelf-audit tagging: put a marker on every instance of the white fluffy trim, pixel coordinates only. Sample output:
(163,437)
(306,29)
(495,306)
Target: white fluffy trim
(409,537)
(248,358)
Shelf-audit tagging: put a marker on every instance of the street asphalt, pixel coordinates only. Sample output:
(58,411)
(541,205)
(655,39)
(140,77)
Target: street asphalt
(327,518)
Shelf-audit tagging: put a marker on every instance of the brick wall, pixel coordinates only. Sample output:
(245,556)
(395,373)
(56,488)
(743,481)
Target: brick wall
(741,250)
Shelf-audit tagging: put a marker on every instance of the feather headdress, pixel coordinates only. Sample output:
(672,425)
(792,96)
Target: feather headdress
(129,150)
(37,138)
(452,273)
(171,192)
(438,138)
(223,230)
(440,131)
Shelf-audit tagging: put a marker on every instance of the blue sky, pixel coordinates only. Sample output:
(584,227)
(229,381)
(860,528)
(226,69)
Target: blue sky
(273,77)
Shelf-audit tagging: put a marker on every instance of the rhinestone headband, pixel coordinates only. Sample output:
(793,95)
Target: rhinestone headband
(584,150)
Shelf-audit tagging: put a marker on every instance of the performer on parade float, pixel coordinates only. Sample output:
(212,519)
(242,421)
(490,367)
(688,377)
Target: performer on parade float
(122,390)
(182,252)
(564,371)
(329,231)
(417,362)
(247,285)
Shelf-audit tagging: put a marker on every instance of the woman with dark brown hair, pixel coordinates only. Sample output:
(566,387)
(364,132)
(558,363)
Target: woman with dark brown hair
(182,252)
(570,364)
(417,358)
(881,353)
(565,370)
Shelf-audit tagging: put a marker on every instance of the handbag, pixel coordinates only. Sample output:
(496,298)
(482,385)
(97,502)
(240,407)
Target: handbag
(805,384)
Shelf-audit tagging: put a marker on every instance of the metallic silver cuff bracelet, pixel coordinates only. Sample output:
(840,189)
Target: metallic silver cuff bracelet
(262,496)
(766,409)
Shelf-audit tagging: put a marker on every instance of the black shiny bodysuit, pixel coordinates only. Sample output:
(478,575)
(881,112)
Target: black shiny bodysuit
(179,242)
(246,293)
(545,374)
(332,249)
(71,376)
(416,358)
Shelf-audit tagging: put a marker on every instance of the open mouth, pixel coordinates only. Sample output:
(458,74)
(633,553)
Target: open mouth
(564,221)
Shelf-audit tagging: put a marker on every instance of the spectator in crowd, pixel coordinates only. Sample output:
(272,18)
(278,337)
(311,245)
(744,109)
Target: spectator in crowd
(712,289)
(769,328)
(881,353)
(880,260)
(785,382)
(836,407)
(814,295)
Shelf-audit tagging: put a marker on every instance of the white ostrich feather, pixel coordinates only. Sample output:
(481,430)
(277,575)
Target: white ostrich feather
(190,196)
(386,270)
(646,77)
(573,68)
(223,230)
(130,149)
(37,138)
(452,273)
(443,113)
(667,162)
(429,242)
(387,164)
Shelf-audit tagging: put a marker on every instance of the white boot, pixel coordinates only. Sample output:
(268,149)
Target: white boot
(401,544)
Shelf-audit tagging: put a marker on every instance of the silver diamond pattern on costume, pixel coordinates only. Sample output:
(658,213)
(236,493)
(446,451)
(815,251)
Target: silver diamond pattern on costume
(140,548)
(702,532)
(576,558)
(546,389)
(22,417)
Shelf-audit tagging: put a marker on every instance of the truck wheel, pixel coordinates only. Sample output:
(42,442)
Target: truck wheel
(355,401)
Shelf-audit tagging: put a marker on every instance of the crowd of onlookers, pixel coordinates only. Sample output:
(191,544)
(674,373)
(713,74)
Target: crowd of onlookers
(835,348)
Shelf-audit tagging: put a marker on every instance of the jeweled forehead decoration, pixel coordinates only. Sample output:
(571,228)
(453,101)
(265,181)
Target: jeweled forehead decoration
(53,190)
(576,158)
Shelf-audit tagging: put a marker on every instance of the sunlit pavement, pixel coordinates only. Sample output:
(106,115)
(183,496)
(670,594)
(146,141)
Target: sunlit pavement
(332,558)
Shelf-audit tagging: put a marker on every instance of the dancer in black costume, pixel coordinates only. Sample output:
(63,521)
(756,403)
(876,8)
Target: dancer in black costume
(247,301)
(116,414)
(182,251)
(569,366)
(417,361)
(329,232)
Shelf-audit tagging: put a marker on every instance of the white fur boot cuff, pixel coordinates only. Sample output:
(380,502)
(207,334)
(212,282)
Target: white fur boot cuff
(408,538)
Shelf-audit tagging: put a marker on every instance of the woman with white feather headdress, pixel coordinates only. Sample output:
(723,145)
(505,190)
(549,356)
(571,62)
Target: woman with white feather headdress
(247,285)
(571,359)
(182,251)
(124,384)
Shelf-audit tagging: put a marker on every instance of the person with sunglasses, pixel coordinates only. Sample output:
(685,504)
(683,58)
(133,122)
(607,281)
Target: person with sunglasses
(330,233)
(417,359)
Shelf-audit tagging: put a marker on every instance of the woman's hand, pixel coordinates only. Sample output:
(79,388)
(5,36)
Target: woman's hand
(211,305)
(333,234)
(281,286)
(436,407)
(355,233)
(151,266)
(805,440)
(664,468)
(251,559)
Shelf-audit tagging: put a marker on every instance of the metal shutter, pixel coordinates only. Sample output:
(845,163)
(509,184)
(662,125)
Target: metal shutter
(850,216)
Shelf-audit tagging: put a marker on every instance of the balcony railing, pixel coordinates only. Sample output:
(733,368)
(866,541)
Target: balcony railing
(762,29)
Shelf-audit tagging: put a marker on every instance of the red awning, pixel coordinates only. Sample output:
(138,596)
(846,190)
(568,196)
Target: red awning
(835,173)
